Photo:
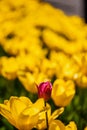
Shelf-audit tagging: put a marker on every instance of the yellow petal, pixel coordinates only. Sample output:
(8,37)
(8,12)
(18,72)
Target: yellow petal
(27,122)
(56,113)
(30,116)
(16,106)
(62,92)
(7,103)
(85,128)
(42,117)
(37,107)
(26,100)
(56,125)
(4,111)
(71,126)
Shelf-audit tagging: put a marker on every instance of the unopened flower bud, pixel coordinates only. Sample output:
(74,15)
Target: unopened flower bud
(44,90)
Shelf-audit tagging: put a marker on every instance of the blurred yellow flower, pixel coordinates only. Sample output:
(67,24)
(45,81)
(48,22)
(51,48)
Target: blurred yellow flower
(85,128)
(48,67)
(8,67)
(81,76)
(66,66)
(62,92)
(28,79)
(28,62)
(77,21)
(21,112)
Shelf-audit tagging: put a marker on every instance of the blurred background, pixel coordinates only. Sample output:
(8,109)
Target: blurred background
(71,7)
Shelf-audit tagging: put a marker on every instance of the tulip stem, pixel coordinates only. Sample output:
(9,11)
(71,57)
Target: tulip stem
(46,116)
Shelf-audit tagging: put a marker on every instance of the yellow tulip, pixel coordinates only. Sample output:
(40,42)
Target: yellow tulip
(56,125)
(62,92)
(71,126)
(21,112)
(51,118)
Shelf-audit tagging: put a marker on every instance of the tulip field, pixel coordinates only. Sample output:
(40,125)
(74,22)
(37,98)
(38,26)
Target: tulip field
(43,67)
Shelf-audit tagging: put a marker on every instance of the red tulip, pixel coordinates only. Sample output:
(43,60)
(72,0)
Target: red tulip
(44,90)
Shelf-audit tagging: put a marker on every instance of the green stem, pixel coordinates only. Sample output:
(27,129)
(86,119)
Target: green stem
(46,116)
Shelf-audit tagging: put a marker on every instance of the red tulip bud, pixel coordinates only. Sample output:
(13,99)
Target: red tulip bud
(44,90)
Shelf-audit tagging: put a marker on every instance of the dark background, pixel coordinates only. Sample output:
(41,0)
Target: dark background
(85,10)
